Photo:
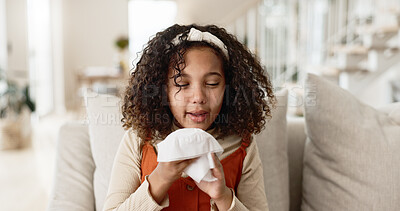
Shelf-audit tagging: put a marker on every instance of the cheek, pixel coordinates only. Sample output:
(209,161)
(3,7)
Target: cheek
(175,98)
(218,98)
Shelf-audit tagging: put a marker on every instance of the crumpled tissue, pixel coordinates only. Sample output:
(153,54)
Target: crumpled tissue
(190,143)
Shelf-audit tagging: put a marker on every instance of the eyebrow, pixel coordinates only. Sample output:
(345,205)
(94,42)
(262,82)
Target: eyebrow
(208,74)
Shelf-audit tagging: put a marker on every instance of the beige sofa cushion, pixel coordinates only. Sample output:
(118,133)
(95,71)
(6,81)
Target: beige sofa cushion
(352,155)
(272,144)
(105,131)
(73,179)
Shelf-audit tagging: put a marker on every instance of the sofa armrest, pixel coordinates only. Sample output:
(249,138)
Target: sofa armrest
(296,141)
(73,178)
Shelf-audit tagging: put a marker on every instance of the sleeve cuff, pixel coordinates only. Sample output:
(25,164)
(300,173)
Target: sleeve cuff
(233,200)
(236,205)
(155,205)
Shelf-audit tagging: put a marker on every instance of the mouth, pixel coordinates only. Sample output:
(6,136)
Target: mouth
(197,116)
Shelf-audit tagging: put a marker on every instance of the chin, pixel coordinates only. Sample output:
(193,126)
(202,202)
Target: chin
(200,126)
(203,127)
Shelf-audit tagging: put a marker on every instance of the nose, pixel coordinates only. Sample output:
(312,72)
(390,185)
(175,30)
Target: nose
(198,95)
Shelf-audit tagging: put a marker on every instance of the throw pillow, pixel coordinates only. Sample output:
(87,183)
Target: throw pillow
(352,155)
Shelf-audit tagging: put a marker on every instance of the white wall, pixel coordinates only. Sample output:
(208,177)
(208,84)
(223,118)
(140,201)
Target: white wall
(221,12)
(3,36)
(56,14)
(90,30)
(16,27)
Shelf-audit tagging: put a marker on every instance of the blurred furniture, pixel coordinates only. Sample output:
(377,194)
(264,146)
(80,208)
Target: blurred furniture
(395,91)
(90,80)
(16,133)
(106,80)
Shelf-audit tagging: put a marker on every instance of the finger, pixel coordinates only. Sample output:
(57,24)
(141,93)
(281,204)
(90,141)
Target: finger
(216,160)
(186,160)
(215,156)
(193,159)
(217,172)
(184,163)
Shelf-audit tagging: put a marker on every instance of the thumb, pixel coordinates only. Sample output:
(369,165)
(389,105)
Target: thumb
(217,171)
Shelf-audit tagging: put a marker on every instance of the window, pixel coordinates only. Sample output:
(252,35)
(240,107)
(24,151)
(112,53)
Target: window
(40,55)
(146,18)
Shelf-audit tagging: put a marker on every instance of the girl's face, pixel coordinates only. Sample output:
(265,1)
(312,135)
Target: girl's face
(199,101)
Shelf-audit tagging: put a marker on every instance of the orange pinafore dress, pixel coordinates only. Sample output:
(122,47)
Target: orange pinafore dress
(183,193)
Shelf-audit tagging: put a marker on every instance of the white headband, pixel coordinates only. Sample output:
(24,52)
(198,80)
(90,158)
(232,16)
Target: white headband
(196,35)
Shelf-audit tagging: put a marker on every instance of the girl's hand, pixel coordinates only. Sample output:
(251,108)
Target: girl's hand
(171,171)
(217,190)
(161,179)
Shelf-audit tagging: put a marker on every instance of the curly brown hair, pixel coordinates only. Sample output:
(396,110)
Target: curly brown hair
(248,97)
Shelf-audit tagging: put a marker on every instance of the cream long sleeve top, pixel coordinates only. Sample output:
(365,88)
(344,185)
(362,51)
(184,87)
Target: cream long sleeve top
(126,192)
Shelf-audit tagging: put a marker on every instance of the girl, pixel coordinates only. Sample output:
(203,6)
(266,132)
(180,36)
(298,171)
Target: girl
(192,77)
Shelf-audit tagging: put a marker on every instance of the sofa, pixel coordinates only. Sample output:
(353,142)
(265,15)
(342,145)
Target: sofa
(342,155)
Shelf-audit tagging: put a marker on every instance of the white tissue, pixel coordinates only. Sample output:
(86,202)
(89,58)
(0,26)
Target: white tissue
(190,143)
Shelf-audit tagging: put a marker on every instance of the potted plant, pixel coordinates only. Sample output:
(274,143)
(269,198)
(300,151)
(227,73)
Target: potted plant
(15,107)
(122,43)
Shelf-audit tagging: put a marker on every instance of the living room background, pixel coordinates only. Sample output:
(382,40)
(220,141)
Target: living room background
(63,49)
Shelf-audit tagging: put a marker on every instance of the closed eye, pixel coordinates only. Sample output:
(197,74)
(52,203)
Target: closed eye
(212,84)
(182,85)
